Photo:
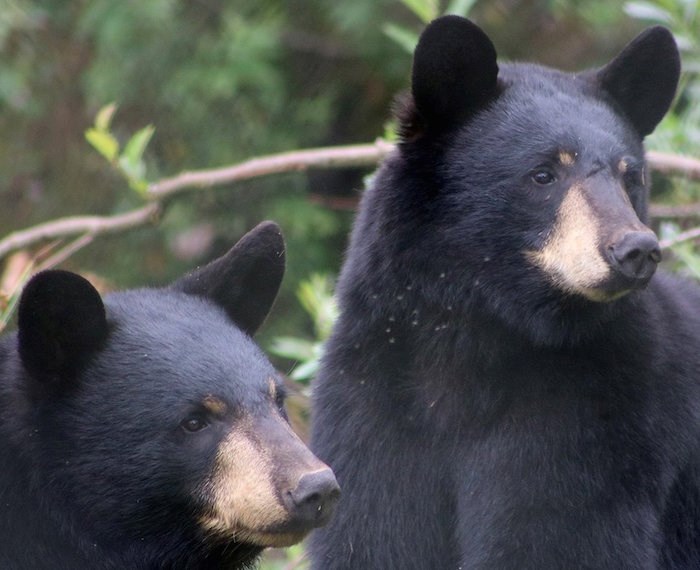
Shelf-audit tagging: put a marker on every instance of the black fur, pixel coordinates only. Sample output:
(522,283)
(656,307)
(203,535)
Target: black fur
(476,416)
(96,471)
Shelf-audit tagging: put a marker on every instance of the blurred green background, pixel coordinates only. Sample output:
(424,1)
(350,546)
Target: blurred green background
(222,81)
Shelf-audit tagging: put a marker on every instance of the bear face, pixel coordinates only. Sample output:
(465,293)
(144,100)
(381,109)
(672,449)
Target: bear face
(151,426)
(524,178)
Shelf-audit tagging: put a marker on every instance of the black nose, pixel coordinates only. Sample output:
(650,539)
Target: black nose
(635,256)
(314,499)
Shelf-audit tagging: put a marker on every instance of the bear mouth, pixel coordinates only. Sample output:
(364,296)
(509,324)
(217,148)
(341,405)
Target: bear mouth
(270,539)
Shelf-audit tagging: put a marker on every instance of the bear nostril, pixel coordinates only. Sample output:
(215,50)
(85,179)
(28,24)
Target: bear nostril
(314,498)
(636,255)
(655,254)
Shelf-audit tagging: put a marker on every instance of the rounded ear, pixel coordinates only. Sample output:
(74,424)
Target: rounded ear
(642,79)
(245,281)
(61,324)
(454,70)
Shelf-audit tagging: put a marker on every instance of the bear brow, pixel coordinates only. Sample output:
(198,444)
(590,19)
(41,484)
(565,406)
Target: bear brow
(565,155)
(215,405)
(566,158)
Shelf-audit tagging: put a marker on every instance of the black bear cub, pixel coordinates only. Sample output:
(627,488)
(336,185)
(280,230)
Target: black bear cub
(511,385)
(147,430)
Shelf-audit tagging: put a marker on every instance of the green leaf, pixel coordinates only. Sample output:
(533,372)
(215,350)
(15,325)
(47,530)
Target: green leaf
(133,170)
(316,296)
(648,11)
(103,142)
(460,7)
(139,186)
(137,144)
(293,348)
(687,254)
(426,10)
(305,371)
(402,36)
(131,160)
(103,119)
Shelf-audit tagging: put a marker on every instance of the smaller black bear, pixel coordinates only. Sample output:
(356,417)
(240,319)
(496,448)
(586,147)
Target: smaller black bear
(148,430)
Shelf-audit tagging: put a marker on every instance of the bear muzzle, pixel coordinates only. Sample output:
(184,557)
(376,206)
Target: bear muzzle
(267,488)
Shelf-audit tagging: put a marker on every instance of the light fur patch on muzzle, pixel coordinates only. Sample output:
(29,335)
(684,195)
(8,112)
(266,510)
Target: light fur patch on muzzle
(242,492)
(256,491)
(571,256)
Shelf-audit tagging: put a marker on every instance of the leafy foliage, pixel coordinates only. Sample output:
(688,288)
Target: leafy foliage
(128,162)
(316,297)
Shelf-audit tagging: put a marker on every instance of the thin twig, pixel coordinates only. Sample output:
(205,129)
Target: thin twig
(318,158)
(91,225)
(680,211)
(65,252)
(679,238)
(676,164)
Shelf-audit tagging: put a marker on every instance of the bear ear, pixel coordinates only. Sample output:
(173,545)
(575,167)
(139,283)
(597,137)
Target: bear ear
(61,324)
(454,71)
(245,281)
(642,79)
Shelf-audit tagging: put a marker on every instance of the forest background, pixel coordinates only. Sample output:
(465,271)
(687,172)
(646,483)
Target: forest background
(100,100)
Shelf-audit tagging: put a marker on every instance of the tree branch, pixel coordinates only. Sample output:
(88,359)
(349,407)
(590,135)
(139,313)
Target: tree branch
(90,225)
(674,164)
(692,233)
(680,211)
(367,155)
(318,158)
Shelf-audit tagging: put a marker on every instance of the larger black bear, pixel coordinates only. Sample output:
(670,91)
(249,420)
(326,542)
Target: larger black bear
(148,431)
(510,385)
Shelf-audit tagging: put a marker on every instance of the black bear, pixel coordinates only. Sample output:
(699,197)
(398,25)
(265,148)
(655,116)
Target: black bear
(510,384)
(147,430)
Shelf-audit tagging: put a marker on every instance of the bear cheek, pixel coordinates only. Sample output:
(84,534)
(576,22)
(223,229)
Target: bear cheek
(571,256)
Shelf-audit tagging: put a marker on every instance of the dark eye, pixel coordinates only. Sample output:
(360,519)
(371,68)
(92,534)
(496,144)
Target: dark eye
(193,424)
(542,176)
(634,178)
(280,399)
(632,172)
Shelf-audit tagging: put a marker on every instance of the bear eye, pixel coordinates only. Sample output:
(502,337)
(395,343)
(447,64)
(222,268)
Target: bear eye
(634,177)
(279,400)
(632,171)
(542,176)
(193,424)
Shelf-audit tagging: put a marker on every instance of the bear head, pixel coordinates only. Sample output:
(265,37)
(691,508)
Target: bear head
(155,427)
(522,186)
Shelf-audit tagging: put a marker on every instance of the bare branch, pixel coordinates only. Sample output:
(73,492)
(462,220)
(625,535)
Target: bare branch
(91,225)
(319,158)
(680,211)
(693,233)
(675,164)
(65,252)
